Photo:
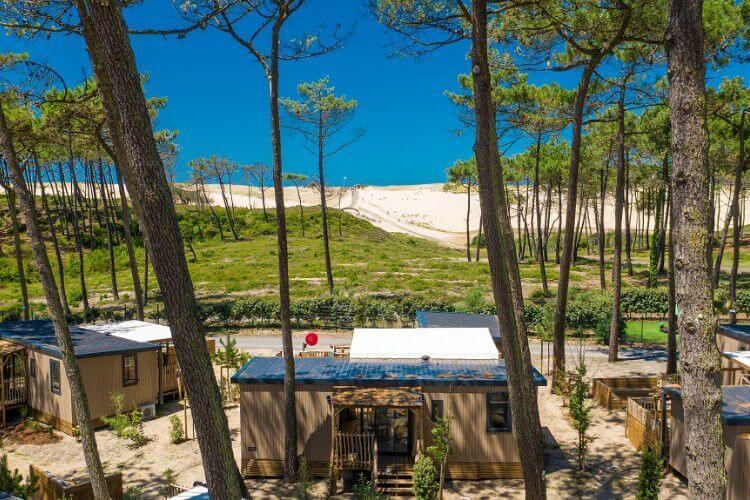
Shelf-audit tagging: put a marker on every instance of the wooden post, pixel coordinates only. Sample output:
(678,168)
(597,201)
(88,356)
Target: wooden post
(333,480)
(159,368)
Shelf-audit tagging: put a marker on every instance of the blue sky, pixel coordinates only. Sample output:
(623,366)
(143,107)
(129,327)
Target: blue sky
(217,94)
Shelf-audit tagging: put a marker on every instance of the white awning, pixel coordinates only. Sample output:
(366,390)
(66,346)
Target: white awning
(195,493)
(741,357)
(137,331)
(416,343)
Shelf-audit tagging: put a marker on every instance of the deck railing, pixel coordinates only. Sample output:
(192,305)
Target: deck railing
(15,391)
(355,450)
(744,379)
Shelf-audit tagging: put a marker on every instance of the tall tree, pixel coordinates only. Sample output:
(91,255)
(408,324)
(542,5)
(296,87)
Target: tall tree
(700,363)
(128,121)
(57,313)
(426,26)
(318,117)
(251,25)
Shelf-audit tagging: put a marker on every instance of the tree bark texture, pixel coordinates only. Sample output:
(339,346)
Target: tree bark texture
(128,120)
(504,266)
(700,365)
(57,314)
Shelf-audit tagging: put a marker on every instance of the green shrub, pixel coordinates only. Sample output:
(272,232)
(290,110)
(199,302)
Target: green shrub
(176,430)
(425,479)
(364,489)
(13,482)
(127,426)
(167,479)
(132,493)
(652,468)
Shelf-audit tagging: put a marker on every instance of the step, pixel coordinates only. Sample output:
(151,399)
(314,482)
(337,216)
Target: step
(396,481)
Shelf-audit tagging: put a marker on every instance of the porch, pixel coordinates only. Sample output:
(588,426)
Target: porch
(378,430)
(13,377)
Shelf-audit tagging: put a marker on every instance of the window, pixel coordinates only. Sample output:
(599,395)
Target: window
(129,369)
(32,367)
(498,412)
(436,410)
(54,376)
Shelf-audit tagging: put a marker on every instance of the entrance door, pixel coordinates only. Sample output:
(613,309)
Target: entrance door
(392,430)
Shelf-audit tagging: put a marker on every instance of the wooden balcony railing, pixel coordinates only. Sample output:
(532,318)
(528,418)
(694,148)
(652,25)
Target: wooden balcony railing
(15,391)
(355,450)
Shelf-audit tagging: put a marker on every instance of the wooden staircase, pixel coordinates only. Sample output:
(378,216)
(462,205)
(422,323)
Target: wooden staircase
(396,480)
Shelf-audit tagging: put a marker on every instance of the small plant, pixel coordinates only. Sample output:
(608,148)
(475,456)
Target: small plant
(126,425)
(13,482)
(442,444)
(176,430)
(132,493)
(304,481)
(166,482)
(364,489)
(425,479)
(580,410)
(652,468)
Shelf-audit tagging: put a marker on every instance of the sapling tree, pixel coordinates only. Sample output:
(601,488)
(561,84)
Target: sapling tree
(299,180)
(464,173)
(580,410)
(649,477)
(257,174)
(442,445)
(318,117)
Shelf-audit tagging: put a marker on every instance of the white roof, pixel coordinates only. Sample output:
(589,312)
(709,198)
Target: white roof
(415,343)
(741,357)
(137,331)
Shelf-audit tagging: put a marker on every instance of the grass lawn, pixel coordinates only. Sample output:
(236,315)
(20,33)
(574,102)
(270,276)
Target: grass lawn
(651,332)
(366,261)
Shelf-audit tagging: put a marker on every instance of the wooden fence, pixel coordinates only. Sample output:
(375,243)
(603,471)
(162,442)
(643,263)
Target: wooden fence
(355,450)
(643,422)
(50,487)
(613,393)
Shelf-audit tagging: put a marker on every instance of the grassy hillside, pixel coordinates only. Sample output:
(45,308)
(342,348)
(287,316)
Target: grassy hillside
(366,261)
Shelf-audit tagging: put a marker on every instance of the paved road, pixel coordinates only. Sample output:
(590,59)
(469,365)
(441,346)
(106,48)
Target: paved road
(272,343)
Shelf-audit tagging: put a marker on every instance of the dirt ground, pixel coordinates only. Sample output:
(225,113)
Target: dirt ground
(612,464)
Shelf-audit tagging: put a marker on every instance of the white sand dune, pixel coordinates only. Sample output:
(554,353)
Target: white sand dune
(423,210)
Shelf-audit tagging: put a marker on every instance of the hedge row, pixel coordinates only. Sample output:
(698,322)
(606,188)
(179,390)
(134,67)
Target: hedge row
(585,309)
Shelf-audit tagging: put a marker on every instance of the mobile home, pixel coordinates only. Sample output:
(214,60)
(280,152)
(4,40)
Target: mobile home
(33,374)
(374,410)
(734,343)
(735,414)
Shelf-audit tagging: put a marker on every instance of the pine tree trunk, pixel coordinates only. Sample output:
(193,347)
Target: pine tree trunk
(737,229)
(615,332)
(54,306)
(504,266)
(570,222)
(628,238)
(55,242)
(129,124)
(700,361)
(324,208)
(290,417)
(468,227)
(539,237)
(77,238)
(18,250)
(110,245)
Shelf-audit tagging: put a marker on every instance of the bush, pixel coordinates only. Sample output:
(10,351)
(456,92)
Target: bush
(425,479)
(176,430)
(364,489)
(652,467)
(126,425)
(166,481)
(304,481)
(132,493)
(13,482)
